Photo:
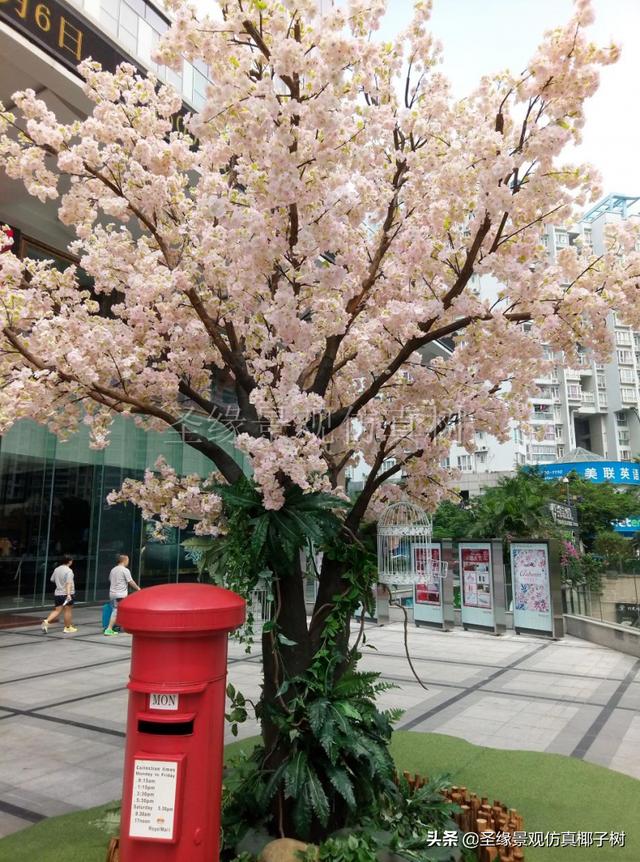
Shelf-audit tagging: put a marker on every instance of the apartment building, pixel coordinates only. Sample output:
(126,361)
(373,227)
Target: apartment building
(592,406)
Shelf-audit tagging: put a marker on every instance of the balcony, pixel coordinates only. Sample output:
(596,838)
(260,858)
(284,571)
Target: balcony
(540,416)
(588,398)
(542,454)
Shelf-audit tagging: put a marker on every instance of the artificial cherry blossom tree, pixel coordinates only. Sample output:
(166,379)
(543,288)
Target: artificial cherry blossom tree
(312,236)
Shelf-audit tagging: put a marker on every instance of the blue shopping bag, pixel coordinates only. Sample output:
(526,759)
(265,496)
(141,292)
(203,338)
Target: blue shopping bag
(106,615)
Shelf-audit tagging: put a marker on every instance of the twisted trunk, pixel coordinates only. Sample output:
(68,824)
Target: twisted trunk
(282,662)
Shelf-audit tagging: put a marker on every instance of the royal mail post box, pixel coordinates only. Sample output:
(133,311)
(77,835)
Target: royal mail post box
(175,726)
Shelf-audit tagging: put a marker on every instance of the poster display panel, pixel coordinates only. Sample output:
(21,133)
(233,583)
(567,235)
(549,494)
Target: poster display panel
(531,588)
(427,595)
(476,584)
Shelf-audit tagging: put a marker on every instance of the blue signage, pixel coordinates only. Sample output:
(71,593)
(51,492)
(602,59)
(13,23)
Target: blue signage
(616,472)
(627,526)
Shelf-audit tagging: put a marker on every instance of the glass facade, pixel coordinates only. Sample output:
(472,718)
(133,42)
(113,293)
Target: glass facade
(53,494)
(53,501)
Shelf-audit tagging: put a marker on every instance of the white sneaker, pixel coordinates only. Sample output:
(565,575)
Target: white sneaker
(45,627)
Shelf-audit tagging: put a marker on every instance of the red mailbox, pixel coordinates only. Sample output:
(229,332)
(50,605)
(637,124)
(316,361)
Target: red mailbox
(175,726)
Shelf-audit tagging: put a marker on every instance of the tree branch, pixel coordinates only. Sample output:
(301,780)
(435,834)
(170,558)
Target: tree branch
(113,400)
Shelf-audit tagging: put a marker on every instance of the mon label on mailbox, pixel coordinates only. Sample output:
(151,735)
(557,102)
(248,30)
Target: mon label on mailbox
(162,700)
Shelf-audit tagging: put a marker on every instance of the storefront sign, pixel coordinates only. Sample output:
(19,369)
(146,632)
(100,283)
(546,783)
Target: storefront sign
(627,525)
(531,589)
(564,514)
(69,39)
(55,28)
(617,472)
(153,806)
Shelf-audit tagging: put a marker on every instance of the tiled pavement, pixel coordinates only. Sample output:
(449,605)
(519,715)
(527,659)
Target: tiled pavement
(63,704)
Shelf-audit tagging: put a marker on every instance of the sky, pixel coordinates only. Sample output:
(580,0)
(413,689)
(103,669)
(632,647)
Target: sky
(484,36)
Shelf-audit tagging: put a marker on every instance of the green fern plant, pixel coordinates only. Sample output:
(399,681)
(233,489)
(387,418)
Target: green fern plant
(338,768)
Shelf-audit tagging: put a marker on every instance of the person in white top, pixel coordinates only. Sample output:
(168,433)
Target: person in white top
(63,597)
(119,582)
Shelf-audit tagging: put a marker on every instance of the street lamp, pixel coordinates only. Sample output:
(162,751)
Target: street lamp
(565,481)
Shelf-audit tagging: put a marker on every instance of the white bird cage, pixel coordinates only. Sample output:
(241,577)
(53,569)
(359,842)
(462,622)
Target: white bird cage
(406,554)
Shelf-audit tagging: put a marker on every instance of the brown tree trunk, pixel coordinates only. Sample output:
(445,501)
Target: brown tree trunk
(331,584)
(281,662)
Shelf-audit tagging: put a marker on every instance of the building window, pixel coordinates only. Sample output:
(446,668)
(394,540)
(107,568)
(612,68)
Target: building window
(625,454)
(445,462)
(601,382)
(574,391)
(625,357)
(621,418)
(560,451)
(109,15)
(627,375)
(623,337)
(481,457)
(562,238)
(464,463)
(128,29)
(628,394)
(542,411)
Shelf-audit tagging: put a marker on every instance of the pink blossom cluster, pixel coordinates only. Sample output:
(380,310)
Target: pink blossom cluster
(172,500)
(310,237)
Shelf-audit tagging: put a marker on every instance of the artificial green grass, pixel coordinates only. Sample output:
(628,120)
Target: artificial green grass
(553,793)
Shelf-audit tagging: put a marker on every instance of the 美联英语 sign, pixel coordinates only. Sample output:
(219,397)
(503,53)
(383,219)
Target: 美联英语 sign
(617,472)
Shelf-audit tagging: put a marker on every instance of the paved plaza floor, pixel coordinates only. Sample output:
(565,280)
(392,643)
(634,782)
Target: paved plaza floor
(63,704)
